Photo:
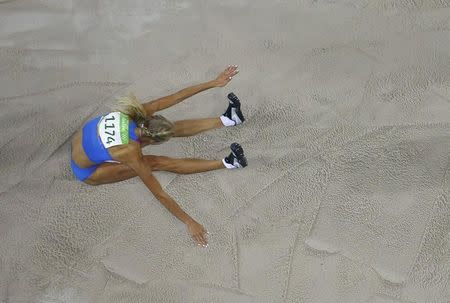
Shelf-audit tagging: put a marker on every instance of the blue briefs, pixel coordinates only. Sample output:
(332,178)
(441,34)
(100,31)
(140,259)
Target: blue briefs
(82,173)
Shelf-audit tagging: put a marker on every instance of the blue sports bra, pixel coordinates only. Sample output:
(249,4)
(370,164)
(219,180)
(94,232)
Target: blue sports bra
(92,142)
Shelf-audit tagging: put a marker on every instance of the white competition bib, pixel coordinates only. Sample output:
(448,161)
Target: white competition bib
(113,129)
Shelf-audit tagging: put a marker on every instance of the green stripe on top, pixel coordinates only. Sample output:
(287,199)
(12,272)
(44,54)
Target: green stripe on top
(124,128)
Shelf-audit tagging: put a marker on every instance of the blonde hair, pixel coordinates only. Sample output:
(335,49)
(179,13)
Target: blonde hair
(130,106)
(156,127)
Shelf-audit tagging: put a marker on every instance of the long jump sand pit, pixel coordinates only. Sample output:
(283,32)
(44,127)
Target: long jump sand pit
(346,196)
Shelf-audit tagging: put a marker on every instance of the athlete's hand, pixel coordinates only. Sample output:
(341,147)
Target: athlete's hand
(226,75)
(197,232)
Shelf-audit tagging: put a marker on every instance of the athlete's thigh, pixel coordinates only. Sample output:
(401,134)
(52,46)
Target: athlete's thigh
(114,172)
(110,173)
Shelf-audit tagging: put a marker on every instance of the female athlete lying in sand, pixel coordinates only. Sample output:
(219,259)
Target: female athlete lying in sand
(109,148)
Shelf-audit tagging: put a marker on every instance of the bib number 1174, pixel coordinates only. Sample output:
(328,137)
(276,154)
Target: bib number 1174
(113,129)
(109,129)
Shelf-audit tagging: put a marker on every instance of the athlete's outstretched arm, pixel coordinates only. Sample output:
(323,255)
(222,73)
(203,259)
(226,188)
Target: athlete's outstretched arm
(196,230)
(168,101)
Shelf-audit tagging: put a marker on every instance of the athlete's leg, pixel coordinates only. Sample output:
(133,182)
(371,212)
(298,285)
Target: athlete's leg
(186,165)
(185,128)
(110,173)
(115,172)
(232,116)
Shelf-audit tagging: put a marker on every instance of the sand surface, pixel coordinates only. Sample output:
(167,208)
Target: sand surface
(347,195)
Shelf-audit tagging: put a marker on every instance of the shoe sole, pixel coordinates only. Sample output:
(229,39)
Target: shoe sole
(235,102)
(238,152)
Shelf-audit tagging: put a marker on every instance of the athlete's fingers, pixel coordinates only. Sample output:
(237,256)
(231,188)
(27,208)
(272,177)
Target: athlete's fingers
(201,239)
(204,235)
(198,240)
(194,237)
(231,68)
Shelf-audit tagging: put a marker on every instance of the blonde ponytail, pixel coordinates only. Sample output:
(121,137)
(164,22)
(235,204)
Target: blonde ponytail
(130,106)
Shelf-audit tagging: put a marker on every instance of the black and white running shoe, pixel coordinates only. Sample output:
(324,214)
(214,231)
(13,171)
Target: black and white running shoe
(236,159)
(233,115)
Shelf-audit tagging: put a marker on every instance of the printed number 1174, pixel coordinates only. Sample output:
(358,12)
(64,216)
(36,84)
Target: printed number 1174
(110,133)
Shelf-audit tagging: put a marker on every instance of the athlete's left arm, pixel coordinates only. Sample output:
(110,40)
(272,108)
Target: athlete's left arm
(168,101)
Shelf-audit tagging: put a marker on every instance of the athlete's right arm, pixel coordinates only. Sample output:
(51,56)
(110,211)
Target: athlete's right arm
(195,229)
(220,81)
